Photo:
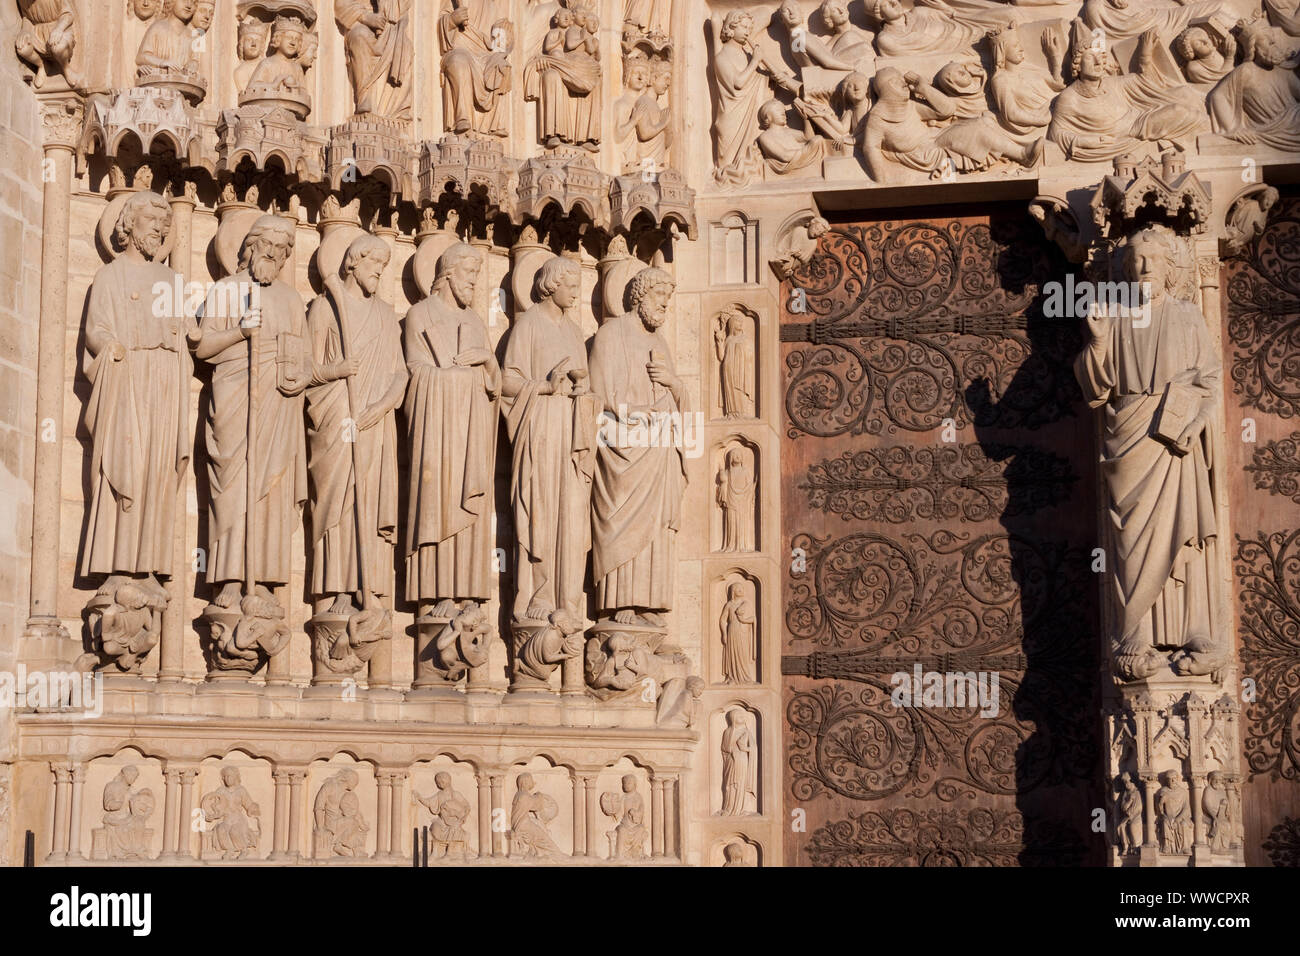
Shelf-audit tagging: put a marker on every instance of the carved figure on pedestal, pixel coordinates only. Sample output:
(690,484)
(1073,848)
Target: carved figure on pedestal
(550,417)
(476,46)
(1219,825)
(931,26)
(623,661)
(1259,101)
(540,650)
(735,496)
(1157,372)
(565,81)
(339,827)
(1173,814)
(1247,218)
(640,124)
(735,353)
(1127,818)
(627,838)
(530,815)
(640,475)
(1022,93)
(126,834)
(1204,60)
(380,55)
(737,625)
(281,73)
(360,378)
(451,419)
(47,40)
(739,766)
(232,821)
(253,313)
(450,811)
(1103,114)
(251,47)
(168,45)
(138,418)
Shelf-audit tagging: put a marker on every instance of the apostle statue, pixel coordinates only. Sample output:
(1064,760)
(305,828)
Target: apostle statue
(380,55)
(475,47)
(451,420)
(1157,372)
(735,354)
(256,488)
(640,464)
(138,418)
(352,446)
(550,417)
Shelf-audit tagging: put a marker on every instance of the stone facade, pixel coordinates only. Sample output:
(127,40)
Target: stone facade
(650,433)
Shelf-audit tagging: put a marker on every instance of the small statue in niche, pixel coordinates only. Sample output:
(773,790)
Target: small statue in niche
(735,495)
(336,812)
(627,838)
(565,81)
(737,625)
(167,46)
(232,821)
(251,47)
(283,71)
(1022,93)
(476,46)
(739,766)
(640,123)
(735,354)
(531,812)
(1219,825)
(1127,817)
(1204,60)
(125,835)
(1173,814)
(799,247)
(450,811)
(1248,218)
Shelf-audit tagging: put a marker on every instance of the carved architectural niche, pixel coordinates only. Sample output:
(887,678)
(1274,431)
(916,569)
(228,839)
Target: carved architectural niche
(1247,214)
(342,806)
(230,821)
(267,135)
(541,824)
(123,793)
(738,851)
(733,250)
(154,117)
(736,732)
(1144,187)
(662,198)
(737,599)
(736,497)
(444,795)
(469,170)
(567,179)
(735,351)
(371,145)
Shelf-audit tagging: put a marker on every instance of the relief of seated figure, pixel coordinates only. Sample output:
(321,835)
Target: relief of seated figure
(1259,101)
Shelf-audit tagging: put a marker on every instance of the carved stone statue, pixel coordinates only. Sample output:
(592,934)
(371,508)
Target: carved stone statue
(47,38)
(550,417)
(640,463)
(476,45)
(796,250)
(640,123)
(627,838)
(932,26)
(232,821)
(735,353)
(1173,814)
(539,651)
(850,46)
(450,811)
(1205,59)
(1247,219)
(340,829)
(784,149)
(1219,825)
(126,834)
(530,815)
(1158,375)
(1259,101)
(1102,114)
(168,44)
(1127,820)
(251,47)
(282,72)
(250,549)
(737,627)
(359,381)
(565,79)
(1022,93)
(380,55)
(735,495)
(739,766)
(451,420)
(138,418)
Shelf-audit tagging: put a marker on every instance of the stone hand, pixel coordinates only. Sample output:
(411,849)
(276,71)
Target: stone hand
(117,351)
(370,417)
(345,368)
(479,356)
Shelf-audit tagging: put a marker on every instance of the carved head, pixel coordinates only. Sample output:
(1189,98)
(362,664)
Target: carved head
(887,11)
(661,76)
(734,854)
(1194,43)
(129,773)
(770,114)
(1216,779)
(629,783)
(735,323)
(349,779)
(266,248)
(890,86)
(131,596)
(736,591)
(855,88)
(1006,48)
(145,9)
(636,71)
(735,459)
(563,18)
(790,14)
(650,292)
(183,10)
(734,718)
(144,222)
(204,11)
(737,25)
(560,280)
(957,79)
(1268,197)
(818,227)
(834,13)
(230,776)
(1149,256)
(288,36)
(252,38)
(442,780)
(142,803)
(525,782)
(457,270)
(365,261)
(1126,779)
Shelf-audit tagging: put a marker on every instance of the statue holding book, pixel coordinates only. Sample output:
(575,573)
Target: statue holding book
(1157,373)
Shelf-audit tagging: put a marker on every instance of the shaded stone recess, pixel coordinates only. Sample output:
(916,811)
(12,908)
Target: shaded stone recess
(550,426)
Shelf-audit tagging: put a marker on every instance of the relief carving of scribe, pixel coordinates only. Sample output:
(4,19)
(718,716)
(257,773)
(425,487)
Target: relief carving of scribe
(253,315)
(1158,377)
(451,416)
(531,813)
(138,418)
(339,828)
(360,378)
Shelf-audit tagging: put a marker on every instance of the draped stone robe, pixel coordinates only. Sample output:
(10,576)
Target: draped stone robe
(166,47)
(553,456)
(1161,505)
(475,76)
(1130,109)
(1266,101)
(451,421)
(636,502)
(374,340)
(279,436)
(379,61)
(138,418)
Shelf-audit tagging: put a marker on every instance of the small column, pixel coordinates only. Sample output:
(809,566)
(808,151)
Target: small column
(61,121)
(383,813)
(296,779)
(657,815)
(398,830)
(277,668)
(171,815)
(671,818)
(579,814)
(185,848)
(74,812)
(589,784)
(497,781)
(62,785)
(484,816)
(1149,784)
(280,828)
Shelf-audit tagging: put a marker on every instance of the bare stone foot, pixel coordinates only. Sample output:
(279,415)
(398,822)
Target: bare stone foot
(229,594)
(342,605)
(653,619)
(446,608)
(625,616)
